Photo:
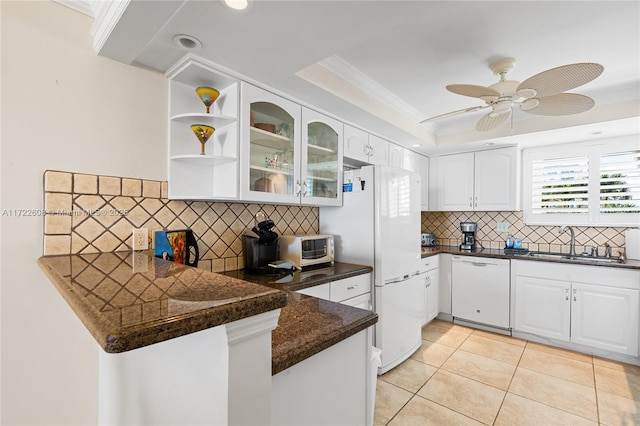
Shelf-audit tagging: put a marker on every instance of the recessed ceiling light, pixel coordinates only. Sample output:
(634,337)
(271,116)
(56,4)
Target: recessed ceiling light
(416,145)
(187,42)
(596,132)
(489,144)
(237,4)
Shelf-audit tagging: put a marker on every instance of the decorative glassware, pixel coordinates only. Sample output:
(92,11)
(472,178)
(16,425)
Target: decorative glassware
(203,133)
(207,95)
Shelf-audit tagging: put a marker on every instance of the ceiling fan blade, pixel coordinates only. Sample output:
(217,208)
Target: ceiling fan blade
(453,113)
(558,80)
(560,104)
(484,93)
(492,121)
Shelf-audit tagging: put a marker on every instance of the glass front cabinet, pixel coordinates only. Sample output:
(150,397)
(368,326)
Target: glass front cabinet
(290,154)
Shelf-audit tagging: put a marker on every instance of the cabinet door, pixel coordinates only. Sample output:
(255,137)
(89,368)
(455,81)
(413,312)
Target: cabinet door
(543,307)
(396,154)
(605,317)
(409,160)
(496,180)
(363,301)
(356,143)
(378,151)
(421,164)
(432,295)
(270,134)
(453,182)
(321,165)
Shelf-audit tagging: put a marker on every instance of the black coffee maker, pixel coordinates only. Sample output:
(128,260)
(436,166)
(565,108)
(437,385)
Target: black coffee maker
(260,248)
(468,235)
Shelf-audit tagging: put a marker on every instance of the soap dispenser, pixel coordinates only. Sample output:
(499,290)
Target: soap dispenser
(509,242)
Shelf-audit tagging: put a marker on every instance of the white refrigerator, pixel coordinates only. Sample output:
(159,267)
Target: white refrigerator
(379,225)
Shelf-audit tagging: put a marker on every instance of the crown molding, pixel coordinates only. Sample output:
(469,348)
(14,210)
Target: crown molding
(349,73)
(82,6)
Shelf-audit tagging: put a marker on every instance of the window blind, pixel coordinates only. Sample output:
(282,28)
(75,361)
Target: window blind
(620,182)
(560,185)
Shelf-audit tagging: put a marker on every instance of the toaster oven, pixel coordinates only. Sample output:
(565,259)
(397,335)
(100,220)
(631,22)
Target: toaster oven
(306,250)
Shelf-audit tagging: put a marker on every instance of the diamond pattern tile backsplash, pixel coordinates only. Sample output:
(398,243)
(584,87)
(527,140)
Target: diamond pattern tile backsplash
(92,214)
(446,227)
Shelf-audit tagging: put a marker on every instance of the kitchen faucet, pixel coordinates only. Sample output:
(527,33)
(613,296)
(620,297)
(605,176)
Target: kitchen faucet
(572,246)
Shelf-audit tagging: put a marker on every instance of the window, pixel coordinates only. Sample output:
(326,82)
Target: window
(594,183)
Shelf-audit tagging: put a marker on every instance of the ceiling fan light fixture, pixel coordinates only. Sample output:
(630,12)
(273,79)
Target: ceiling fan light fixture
(237,4)
(529,104)
(500,108)
(527,92)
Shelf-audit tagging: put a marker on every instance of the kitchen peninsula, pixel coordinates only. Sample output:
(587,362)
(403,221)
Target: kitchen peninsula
(199,340)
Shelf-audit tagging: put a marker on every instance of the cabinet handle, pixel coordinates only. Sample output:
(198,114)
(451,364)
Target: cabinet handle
(428,281)
(304,193)
(476,202)
(566,294)
(352,287)
(298,188)
(470,202)
(574,295)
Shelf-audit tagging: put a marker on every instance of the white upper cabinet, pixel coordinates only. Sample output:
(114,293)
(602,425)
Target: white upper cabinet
(321,165)
(421,166)
(480,181)
(363,147)
(497,179)
(290,154)
(451,182)
(197,172)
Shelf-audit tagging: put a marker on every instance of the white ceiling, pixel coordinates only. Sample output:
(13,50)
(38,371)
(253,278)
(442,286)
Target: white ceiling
(384,65)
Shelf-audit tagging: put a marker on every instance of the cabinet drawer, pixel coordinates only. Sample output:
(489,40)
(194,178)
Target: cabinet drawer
(350,287)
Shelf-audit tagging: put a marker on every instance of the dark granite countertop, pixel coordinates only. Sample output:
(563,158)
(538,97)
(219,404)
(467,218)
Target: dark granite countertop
(309,325)
(500,253)
(127,305)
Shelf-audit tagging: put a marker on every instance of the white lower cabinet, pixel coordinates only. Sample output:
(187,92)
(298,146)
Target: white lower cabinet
(588,305)
(429,274)
(329,388)
(352,291)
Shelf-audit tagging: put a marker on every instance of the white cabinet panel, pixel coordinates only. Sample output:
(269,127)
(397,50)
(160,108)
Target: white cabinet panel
(451,182)
(422,168)
(496,180)
(444,281)
(542,307)
(356,143)
(379,151)
(588,305)
(605,317)
(432,295)
(480,181)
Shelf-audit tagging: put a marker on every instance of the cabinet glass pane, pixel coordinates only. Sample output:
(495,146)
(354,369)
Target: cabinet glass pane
(322,161)
(271,149)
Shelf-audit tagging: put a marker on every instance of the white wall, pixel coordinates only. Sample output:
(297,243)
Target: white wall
(63,108)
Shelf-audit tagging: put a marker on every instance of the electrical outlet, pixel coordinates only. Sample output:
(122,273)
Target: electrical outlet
(502,227)
(140,239)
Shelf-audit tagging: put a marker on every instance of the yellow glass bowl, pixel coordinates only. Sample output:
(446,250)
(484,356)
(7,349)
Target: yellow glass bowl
(203,133)
(207,95)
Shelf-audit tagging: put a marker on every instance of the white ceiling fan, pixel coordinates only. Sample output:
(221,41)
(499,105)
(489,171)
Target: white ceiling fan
(542,94)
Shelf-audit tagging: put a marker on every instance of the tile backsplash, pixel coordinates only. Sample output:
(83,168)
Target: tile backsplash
(446,226)
(91,214)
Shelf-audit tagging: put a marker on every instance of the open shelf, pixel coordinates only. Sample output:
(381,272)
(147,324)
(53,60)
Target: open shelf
(213,159)
(215,121)
(319,150)
(274,171)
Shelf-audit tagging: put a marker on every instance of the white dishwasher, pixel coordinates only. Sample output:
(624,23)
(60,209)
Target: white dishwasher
(480,290)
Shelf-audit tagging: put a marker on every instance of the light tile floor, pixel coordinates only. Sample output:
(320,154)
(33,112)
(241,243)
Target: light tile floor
(463,376)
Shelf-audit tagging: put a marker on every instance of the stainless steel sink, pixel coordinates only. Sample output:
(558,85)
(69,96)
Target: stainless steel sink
(564,256)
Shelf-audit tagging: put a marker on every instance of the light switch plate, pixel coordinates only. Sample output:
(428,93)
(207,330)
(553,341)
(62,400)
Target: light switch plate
(502,226)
